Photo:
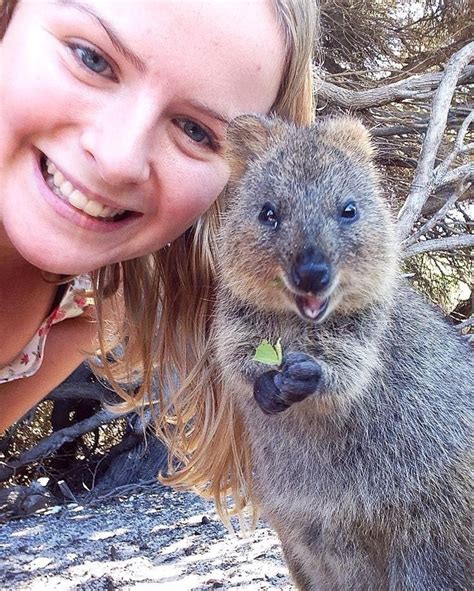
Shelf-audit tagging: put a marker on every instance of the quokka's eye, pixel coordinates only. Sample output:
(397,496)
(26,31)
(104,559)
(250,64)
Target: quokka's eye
(349,213)
(268,215)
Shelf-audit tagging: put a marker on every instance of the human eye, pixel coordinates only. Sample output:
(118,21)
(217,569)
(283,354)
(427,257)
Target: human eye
(92,60)
(197,133)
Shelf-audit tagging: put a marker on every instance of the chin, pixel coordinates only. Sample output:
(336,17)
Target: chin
(52,263)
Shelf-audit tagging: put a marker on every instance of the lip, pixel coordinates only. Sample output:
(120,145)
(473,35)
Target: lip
(70,213)
(89,194)
(299,297)
(323,305)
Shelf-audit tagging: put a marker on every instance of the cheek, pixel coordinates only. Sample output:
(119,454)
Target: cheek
(22,120)
(192,190)
(32,106)
(36,90)
(18,117)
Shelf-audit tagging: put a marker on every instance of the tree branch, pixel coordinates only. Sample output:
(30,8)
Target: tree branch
(450,243)
(458,147)
(415,87)
(439,215)
(50,444)
(89,390)
(423,181)
(438,199)
(467,149)
(389,131)
(461,173)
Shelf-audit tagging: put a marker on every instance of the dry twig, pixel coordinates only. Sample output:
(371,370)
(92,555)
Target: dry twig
(449,243)
(439,215)
(416,87)
(458,148)
(464,172)
(50,444)
(424,178)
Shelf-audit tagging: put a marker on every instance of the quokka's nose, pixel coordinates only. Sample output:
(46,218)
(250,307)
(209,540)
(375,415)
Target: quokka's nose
(311,272)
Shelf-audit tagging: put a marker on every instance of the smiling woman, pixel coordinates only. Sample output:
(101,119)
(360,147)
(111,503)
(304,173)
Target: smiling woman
(112,159)
(123,158)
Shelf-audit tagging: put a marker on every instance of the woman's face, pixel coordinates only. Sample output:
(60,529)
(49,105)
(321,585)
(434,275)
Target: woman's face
(114,115)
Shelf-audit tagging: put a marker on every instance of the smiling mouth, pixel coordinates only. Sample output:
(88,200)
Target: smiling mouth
(66,191)
(312,307)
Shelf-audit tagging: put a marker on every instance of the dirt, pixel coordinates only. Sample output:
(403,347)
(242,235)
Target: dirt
(154,539)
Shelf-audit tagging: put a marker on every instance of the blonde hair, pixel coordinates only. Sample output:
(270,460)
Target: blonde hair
(205,435)
(162,307)
(6,10)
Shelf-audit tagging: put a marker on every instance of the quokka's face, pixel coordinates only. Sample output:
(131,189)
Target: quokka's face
(307,229)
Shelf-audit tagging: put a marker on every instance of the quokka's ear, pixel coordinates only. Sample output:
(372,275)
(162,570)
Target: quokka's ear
(347,134)
(248,136)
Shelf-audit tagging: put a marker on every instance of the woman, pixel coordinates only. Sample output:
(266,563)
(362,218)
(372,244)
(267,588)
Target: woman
(113,124)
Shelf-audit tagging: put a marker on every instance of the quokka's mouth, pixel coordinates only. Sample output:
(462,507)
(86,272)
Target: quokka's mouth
(312,307)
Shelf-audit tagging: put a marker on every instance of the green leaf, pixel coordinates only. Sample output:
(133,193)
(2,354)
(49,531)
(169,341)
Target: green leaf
(268,353)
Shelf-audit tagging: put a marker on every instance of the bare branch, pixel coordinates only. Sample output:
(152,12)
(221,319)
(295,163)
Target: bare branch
(415,87)
(443,168)
(437,200)
(450,243)
(423,181)
(72,390)
(440,215)
(50,444)
(467,149)
(391,130)
(96,499)
(464,172)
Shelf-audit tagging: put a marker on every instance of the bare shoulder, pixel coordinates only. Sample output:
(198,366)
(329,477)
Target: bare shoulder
(68,344)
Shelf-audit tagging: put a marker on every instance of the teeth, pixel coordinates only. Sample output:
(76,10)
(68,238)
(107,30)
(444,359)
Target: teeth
(93,208)
(76,198)
(58,178)
(310,312)
(66,188)
(312,307)
(106,212)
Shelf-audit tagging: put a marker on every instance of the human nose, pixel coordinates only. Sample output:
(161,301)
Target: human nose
(119,142)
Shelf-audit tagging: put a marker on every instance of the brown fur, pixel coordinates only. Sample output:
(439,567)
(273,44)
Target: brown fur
(365,480)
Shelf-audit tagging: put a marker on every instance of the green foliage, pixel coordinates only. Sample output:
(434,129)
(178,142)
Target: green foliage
(268,353)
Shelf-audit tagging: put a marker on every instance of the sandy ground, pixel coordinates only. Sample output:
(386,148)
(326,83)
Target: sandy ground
(156,539)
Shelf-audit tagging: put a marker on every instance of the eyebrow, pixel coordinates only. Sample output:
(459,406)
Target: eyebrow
(113,36)
(130,55)
(209,111)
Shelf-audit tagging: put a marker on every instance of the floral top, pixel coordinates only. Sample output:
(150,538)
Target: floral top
(73,303)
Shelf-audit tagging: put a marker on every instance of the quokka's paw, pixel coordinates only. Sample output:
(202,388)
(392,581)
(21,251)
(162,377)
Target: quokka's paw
(267,395)
(298,378)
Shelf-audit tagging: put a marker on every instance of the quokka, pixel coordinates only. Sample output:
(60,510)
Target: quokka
(356,448)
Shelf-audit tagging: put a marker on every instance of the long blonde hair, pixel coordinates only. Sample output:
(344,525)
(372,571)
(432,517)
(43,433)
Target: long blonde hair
(168,295)
(162,309)
(205,435)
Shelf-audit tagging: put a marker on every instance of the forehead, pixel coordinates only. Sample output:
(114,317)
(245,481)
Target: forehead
(229,50)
